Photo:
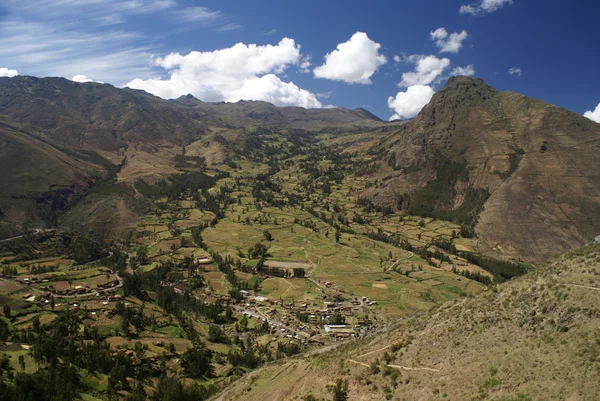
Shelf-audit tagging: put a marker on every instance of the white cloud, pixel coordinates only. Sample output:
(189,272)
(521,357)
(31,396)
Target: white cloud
(271,89)
(427,70)
(467,71)
(484,7)
(593,115)
(44,49)
(305,63)
(5,72)
(324,95)
(89,37)
(397,58)
(354,61)
(197,14)
(448,43)
(83,79)
(84,11)
(408,104)
(200,16)
(228,27)
(515,71)
(231,74)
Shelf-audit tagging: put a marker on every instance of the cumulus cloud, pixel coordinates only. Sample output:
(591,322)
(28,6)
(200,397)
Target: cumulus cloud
(515,71)
(239,72)
(448,42)
(427,70)
(83,79)
(5,72)
(593,115)
(354,61)
(484,7)
(408,104)
(467,71)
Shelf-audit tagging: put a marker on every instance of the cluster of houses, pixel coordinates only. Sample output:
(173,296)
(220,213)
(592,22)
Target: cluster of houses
(76,290)
(283,317)
(33,280)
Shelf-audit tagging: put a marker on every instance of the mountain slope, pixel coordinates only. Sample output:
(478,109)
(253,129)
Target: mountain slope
(265,114)
(530,165)
(59,137)
(535,338)
(518,172)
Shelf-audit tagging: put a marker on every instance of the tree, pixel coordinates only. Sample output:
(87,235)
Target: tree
(257,251)
(196,362)
(138,394)
(142,255)
(216,335)
(22,362)
(35,324)
(338,235)
(139,350)
(7,311)
(197,235)
(268,235)
(337,318)
(340,391)
(133,263)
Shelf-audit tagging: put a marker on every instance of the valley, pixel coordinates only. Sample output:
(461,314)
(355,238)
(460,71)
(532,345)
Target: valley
(202,249)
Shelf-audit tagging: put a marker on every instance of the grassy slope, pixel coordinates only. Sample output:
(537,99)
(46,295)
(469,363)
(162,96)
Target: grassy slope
(535,338)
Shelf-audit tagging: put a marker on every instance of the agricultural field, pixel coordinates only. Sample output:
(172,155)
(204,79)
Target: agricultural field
(231,264)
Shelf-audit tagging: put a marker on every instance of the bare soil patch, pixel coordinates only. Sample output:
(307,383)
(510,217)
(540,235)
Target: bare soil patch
(287,265)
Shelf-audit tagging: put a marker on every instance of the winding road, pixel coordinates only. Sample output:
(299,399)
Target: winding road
(35,232)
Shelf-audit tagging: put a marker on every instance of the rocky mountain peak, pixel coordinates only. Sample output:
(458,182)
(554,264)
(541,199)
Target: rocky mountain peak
(460,96)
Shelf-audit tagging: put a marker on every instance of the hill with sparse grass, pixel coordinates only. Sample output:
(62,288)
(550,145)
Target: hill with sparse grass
(534,338)
(518,172)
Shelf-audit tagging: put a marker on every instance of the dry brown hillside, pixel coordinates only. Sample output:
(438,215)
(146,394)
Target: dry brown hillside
(536,161)
(535,338)
(59,137)
(518,172)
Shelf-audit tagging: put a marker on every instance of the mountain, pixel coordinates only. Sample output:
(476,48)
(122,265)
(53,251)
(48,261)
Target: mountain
(534,338)
(518,173)
(527,168)
(60,137)
(265,114)
(224,238)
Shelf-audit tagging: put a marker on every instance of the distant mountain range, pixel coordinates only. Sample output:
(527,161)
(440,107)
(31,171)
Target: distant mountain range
(519,172)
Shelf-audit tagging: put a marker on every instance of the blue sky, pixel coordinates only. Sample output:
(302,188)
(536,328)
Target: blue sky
(387,56)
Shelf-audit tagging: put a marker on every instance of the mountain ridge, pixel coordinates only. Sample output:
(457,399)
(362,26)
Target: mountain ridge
(495,162)
(506,140)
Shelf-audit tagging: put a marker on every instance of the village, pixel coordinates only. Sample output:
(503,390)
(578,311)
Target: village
(335,316)
(306,323)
